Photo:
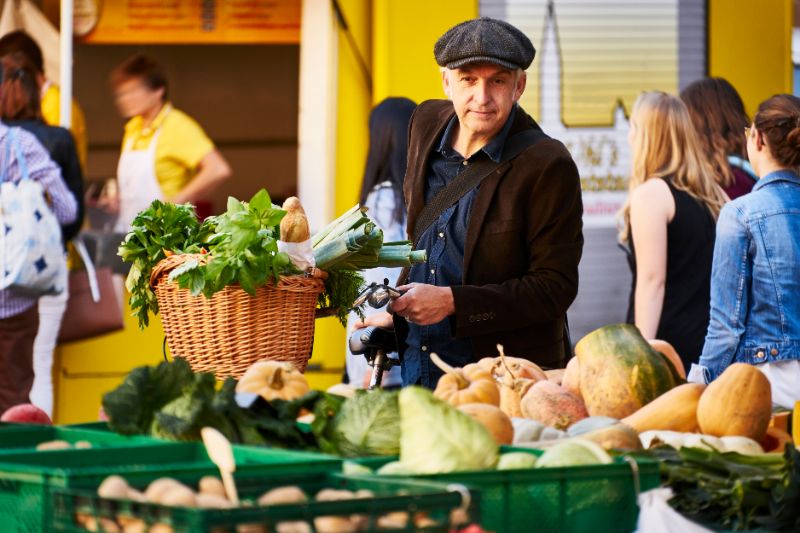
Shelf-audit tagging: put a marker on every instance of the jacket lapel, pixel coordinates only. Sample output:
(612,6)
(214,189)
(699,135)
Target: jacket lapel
(416,174)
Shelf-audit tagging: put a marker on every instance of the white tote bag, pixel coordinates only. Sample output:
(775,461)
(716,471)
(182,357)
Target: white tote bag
(31,253)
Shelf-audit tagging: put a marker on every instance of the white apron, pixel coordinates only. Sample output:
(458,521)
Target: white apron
(138,185)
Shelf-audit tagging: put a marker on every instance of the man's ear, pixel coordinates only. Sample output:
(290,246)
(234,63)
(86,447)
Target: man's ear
(446,83)
(522,81)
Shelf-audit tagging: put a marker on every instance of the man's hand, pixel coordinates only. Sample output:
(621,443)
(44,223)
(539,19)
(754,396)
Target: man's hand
(381,320)
(424,304)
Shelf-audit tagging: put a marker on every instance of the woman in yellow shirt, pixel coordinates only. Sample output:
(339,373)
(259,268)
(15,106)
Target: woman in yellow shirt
(165,154)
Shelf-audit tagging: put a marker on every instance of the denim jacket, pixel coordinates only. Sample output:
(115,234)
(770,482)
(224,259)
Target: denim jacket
(755,286)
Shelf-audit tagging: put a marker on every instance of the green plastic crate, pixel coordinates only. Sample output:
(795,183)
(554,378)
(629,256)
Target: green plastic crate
(596,498)
(391,495)
(94,426)
(26,438)
(26,479)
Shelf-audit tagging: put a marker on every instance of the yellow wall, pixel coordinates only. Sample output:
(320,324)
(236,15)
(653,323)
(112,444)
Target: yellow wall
(750,44)
(403,34)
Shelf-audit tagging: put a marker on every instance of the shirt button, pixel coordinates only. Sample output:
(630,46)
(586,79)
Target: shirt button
(441,235)
(433,271)
(774,351)
(465,162)
(424,348)
(760,354)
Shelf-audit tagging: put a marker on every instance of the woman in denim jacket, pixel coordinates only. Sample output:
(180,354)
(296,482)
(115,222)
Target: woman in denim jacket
(755,289)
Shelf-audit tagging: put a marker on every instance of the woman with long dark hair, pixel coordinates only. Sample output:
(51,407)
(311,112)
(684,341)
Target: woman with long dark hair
(19,106)
(755,309)
(719,117)
(382,193)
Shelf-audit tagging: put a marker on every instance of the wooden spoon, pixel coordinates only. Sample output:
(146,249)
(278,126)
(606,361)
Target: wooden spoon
(219,450)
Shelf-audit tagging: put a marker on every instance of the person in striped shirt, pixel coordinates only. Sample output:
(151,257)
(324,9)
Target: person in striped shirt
(19,316)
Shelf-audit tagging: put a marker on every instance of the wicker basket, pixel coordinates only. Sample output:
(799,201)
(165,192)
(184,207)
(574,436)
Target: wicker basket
(230,331)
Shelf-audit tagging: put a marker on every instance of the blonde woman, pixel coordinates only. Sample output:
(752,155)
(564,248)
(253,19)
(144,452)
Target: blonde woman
(668,223)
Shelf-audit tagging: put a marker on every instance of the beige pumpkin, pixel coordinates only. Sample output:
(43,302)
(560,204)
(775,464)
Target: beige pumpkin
(465,385)
(273,380)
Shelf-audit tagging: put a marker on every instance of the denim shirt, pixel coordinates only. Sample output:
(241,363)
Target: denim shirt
(444,241)
(755,287)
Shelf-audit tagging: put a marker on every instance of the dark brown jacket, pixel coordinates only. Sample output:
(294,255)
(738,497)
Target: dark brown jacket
(523,242)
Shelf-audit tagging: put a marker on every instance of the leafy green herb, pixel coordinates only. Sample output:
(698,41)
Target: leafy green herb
(159,229)
(341,289)
(733,491)
(243,249)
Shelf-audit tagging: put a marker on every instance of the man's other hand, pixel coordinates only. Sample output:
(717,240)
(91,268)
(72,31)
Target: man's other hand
(380,320)
(424,304)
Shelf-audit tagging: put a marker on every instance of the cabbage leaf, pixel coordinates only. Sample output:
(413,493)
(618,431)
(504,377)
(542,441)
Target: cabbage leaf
(437,438)
(368,424)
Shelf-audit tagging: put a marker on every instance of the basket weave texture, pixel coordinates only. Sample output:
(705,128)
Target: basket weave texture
(230,331)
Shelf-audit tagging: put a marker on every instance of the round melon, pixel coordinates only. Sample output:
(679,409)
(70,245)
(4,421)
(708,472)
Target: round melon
(620,372)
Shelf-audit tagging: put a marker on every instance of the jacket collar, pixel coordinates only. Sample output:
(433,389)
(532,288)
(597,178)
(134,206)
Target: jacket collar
(778,175)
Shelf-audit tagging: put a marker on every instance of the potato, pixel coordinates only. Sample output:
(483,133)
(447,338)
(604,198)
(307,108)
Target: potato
(132,525)
(334,524)
(114,487)
(178,496)
(136,496)
(251,528)
(331,495)
(161,528)
(282,495)
(212,485)
(109,526)
(293,527)
(82,445)
(53,445)
(212,501)
(395,520)
(157,488)
(423,521)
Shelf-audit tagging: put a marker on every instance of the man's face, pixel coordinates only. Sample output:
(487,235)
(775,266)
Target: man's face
(134,98)
(483,95)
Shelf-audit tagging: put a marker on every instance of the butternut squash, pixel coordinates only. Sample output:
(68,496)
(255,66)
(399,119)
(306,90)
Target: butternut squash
(675,410)
(739,402)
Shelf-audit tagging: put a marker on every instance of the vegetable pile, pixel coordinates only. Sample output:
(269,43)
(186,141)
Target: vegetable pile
(171,402)
(242,247)
(211,494)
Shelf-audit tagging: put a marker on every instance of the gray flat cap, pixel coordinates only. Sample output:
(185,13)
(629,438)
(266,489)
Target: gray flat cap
(484,40)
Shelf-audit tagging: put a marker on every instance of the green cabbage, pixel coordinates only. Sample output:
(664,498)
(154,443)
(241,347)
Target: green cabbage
(515,460)
(438,438)
(368,424)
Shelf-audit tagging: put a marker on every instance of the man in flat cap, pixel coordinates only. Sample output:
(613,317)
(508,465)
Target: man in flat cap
(496,204)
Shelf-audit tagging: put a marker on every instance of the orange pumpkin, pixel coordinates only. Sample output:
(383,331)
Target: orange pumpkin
(739,402)
(666,349)
(465,385)
(493,419)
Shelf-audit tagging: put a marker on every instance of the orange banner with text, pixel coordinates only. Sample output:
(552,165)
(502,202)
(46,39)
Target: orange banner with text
(187,21)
